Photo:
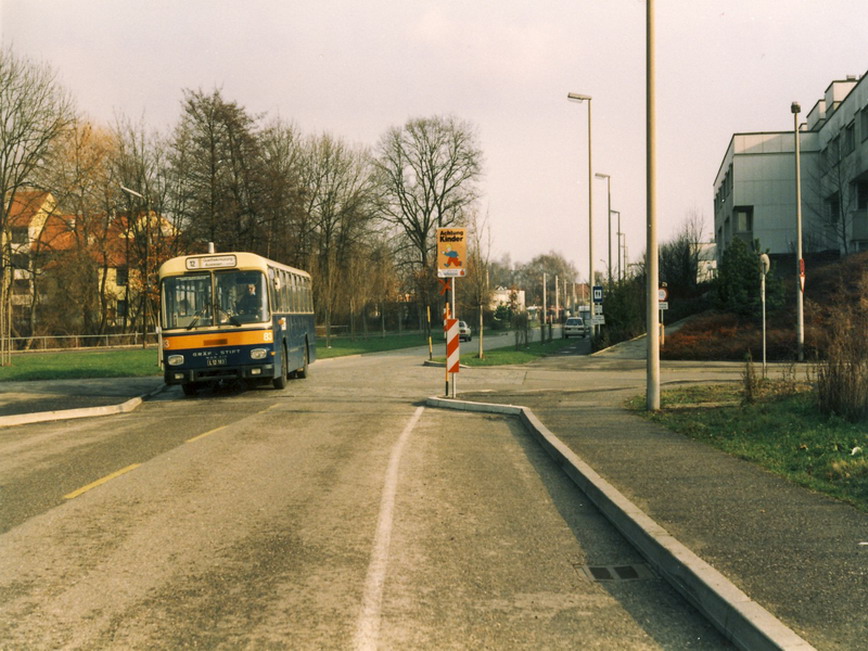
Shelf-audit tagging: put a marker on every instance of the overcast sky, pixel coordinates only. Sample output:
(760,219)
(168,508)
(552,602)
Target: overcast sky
(354,68)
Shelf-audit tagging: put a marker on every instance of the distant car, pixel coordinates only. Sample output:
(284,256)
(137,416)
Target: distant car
(464,333)
(575,326)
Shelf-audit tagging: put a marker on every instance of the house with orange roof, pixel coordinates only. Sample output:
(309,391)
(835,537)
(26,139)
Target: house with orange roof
(92,260)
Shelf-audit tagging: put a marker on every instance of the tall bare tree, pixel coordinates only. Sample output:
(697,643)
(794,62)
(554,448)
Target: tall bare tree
(218,166)
(34,112)
(282,204)
(141,183)
(80,179)
(428,172)
(340,193)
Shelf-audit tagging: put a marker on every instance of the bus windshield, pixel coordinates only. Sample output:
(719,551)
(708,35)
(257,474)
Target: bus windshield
(214,298)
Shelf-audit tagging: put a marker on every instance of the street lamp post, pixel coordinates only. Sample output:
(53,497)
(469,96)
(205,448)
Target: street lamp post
(609,202)
(764,269)
(582,98)
(652,388)
(145,278)
(618,235)
(800,263)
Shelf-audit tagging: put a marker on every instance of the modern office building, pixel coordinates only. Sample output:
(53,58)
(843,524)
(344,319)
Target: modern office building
(755,188)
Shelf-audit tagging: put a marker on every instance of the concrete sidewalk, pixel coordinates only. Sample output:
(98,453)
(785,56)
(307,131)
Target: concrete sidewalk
(39,401)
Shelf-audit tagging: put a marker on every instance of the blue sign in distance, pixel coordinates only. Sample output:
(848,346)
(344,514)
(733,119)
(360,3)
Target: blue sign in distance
(598,293)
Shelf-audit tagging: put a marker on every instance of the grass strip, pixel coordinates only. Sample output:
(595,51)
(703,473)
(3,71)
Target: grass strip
(509,355)
(783,432)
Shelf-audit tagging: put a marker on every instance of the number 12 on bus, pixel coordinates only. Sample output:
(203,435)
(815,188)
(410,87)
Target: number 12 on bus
(235,316)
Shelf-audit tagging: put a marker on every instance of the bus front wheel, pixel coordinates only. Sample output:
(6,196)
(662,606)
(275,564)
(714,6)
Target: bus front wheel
(279,380)
(302,372)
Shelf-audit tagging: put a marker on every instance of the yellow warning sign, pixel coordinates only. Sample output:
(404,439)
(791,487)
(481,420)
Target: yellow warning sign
(451,252)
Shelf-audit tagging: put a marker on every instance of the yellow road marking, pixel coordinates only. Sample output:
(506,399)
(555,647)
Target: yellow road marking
(99,482)
(208,433)
(217,429)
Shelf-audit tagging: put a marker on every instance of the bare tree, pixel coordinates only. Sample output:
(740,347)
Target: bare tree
(427,175)
(679,257)
(339,201)
(34,112)
(80,180)
(832,183)
(218,166)
(282,203)
(140,187)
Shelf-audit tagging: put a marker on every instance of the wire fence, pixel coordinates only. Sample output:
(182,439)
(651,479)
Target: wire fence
(70,342)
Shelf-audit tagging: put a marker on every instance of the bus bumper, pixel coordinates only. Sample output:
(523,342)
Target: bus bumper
(209,375)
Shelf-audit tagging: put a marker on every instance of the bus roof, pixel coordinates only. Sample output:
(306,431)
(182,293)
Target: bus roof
(228,260)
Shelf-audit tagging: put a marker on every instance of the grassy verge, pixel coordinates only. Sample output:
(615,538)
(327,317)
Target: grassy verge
(139,362)
(781,431)
(115,362)
(342,346)
(509,355)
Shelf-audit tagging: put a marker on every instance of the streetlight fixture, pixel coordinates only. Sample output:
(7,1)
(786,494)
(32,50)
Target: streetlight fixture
(609,194)
(800,263)
(587,98)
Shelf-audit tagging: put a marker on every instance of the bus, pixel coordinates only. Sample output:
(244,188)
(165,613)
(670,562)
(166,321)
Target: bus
(234,317)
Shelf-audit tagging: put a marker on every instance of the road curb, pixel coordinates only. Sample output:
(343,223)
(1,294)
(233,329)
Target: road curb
(739,618)
(82,412)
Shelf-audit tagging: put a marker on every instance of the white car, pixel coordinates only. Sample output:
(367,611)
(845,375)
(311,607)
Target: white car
(464,333)
(575,326)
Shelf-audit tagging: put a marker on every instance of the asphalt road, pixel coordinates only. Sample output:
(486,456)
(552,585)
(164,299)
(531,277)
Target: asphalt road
(338,513)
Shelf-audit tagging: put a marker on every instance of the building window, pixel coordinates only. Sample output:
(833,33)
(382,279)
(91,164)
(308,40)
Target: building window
(20,235)
(863,126)
(122,309)
(849,139)
(862,195)
(744,219)
(122,276)
(833,208)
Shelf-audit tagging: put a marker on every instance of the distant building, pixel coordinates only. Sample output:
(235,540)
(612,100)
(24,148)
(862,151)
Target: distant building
(506,296)
(755,187)
(58,261)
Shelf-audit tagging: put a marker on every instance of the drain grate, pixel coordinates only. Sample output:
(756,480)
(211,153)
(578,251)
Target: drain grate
(636,572)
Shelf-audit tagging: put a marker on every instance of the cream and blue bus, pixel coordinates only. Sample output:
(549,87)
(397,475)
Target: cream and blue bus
(234,316)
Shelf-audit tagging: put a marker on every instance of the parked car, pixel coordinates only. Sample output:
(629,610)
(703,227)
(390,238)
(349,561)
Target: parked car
(464,333)
(575,327)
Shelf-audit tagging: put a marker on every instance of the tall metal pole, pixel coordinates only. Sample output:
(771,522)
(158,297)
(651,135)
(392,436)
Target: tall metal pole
(583,98)
(800,263)
(609,204)
(590,222)
(618,244)
(653,357)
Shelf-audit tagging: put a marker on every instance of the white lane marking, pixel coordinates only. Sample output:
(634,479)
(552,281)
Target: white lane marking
(368,626)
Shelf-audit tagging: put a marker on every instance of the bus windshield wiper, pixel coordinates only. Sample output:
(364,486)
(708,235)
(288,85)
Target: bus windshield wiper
(196,318)
(232,319)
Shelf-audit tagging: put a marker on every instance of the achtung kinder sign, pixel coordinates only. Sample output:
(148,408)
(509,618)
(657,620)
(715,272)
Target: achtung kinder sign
(451,252)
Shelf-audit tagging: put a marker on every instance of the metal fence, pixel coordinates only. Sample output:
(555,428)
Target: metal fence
(68,342)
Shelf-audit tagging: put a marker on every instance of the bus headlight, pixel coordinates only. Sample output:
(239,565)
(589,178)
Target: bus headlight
(175,360)
(258,353)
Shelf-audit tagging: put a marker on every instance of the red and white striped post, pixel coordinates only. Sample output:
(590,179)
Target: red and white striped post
(452,354)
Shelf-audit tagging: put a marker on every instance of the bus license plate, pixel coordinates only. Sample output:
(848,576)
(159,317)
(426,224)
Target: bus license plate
(216,361)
